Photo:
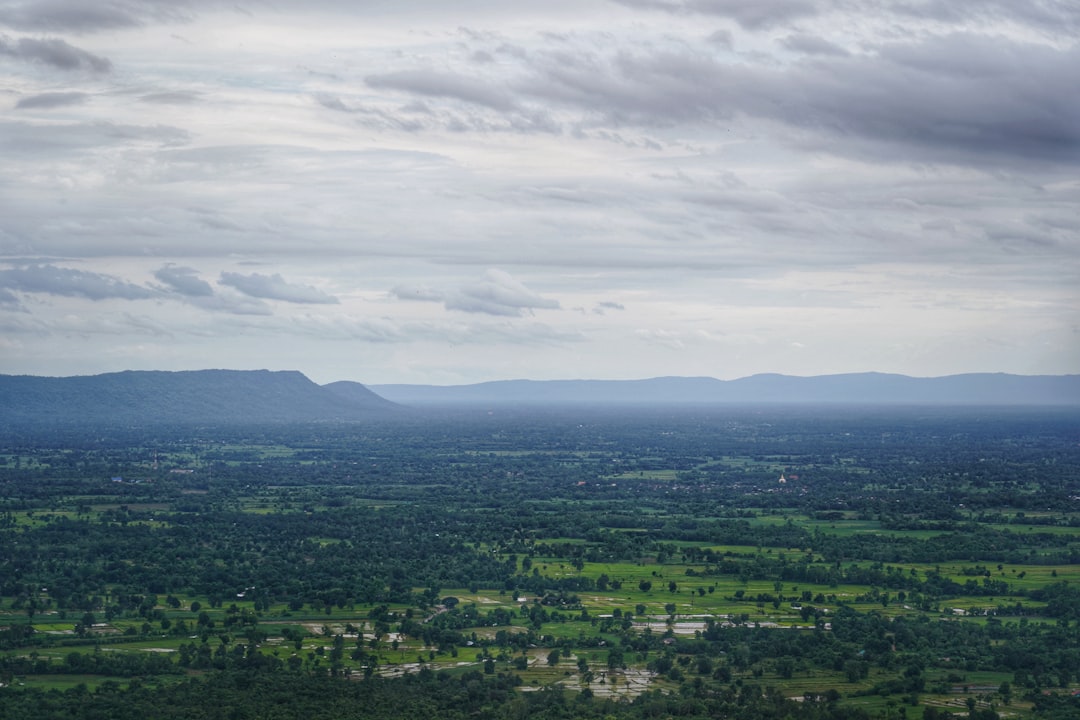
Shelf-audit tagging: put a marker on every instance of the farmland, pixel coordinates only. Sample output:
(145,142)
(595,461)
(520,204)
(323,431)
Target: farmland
(825,562)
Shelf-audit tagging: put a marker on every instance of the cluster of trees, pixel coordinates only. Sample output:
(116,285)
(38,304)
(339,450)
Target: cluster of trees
(365,555)
(320,519)
(268,694)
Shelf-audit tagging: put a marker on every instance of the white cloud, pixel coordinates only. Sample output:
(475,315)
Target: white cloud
(184,280)
(499,294)
(275,287)
(54,280)
(53,52)
(418,293)
(708,183)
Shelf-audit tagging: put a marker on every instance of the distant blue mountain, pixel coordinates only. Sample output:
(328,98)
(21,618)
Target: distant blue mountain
(139,398)
(855,388)
(195,397)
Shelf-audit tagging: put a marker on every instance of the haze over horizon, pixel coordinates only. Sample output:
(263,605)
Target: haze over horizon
(429,193)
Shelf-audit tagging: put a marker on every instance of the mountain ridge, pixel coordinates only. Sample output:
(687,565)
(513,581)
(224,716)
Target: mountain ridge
(216,397)
(773,388)
(154,397)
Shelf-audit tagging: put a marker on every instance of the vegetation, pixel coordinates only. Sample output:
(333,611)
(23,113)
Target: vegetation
(746,563)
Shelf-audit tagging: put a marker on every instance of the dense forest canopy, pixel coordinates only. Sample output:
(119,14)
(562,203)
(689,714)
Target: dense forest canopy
(749,562)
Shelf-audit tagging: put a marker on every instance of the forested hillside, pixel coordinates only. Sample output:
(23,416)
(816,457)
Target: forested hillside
(203,397)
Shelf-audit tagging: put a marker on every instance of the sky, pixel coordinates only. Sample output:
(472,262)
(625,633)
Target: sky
(422,191)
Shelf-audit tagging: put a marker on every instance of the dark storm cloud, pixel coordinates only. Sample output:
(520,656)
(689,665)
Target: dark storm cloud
(812,45)
(446,85)
(69,16)
(722,39)
(184,280)
(53,280)
(963,98)
(171,98)
(750,14)
(87,15)
(55,52)
(657,89)
(46,101)
(1051,15)
(275,287)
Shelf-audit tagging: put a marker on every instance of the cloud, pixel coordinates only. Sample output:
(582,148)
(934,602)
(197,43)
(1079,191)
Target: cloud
(184,280)
(445,332)
(750,162)
(417,292)
(722,39)
(55,52)
(445,85)
(274,287)
(498,294)
(86,15)
(186,285)
(601,308)
(34,140)
(53,280)
(965,99)
(754,14)
(676,339)
(1055,16)
(175,97)
(46,101)
(750,14)
(332,102)
(232,303)
(812,45)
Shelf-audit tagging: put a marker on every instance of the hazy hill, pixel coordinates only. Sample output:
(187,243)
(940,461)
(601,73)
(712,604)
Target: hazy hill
(857,388)
(194,397)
